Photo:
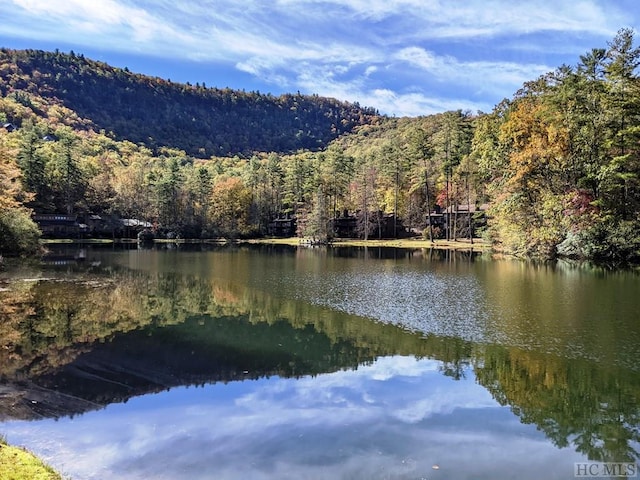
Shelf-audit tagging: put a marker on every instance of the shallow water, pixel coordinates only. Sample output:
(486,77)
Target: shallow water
(283,362)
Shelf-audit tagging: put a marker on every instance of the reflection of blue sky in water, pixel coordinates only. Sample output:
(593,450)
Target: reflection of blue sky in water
(393,419)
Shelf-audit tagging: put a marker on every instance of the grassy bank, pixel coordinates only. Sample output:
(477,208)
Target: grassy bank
(18,464)
(395,243)
(465,244)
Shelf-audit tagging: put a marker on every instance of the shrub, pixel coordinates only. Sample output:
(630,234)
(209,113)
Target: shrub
(18,233)
(607,241)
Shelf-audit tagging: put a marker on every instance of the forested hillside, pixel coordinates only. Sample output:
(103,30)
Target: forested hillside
(557,165)
(199,120)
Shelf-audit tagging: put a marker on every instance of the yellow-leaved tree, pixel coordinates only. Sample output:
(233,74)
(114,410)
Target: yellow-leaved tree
(230,207)
(18,233)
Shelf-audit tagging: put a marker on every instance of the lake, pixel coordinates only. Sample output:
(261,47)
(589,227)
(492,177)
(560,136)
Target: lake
(274,362)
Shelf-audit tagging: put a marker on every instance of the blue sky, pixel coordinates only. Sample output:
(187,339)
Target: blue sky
(403,57)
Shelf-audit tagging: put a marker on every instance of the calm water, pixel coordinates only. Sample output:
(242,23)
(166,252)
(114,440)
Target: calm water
(298,363)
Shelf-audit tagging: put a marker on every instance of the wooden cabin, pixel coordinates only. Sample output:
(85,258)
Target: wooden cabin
(59,225)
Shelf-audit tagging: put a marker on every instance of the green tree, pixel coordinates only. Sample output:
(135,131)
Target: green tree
(198,185)
(297,182)
(420,151)
(65,177)
(335,169)
(168,189)
(365,198)
(620,180)
(452,142)
(393,165)
(32,164)
(316,225)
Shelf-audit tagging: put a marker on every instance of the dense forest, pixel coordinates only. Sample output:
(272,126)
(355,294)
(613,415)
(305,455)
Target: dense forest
(557,165)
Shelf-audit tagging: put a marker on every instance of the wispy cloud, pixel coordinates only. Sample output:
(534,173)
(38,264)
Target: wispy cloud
(473,18)
(496,75)
(78,17)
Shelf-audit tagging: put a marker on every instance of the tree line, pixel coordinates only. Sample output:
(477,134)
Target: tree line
(557,165)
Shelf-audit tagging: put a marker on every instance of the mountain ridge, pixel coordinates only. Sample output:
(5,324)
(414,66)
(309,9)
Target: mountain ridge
(203,121)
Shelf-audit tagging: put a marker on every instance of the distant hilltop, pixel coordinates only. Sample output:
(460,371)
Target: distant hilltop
(202,121)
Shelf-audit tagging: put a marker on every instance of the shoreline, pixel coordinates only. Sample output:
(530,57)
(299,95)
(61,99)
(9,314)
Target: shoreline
(410,243)
(478,246)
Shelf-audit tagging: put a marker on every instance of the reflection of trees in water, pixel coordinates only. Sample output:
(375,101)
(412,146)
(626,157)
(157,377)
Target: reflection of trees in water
(49,317)
(594,407)
(138,332)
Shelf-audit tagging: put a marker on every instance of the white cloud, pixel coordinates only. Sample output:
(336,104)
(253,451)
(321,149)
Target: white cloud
(495,76)
(97,15)
(358,89)
(417,104)
(421,58)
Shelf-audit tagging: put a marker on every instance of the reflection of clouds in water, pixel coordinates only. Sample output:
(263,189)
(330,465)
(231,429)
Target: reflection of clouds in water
(392,419)
(392,386)
(389,367)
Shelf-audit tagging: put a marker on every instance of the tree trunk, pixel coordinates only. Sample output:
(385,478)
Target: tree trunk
(469,210)
(426,192)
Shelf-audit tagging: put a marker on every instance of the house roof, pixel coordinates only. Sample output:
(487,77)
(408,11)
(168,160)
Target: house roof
(134,222)
(54,217)
(464,208)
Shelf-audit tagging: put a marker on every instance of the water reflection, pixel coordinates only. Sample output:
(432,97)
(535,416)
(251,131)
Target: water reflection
(138,326)
(395,418)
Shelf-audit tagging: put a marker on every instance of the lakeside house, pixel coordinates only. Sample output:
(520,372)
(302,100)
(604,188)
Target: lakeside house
(59,225)
(454,221)
(283,227)
(346,225)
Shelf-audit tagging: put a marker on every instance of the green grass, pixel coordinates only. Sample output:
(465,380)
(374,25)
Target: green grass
(18,464)
(46,241)
(397,243)
(462,244)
